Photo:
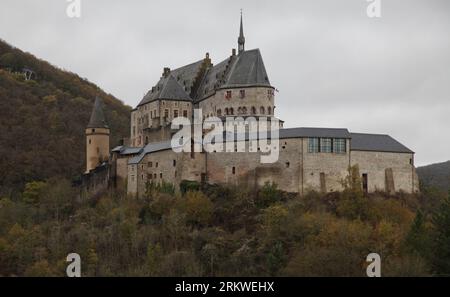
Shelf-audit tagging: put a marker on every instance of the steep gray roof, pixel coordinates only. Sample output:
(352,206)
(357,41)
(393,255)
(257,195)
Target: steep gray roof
(244,70)
(213,78)
(167,88)
(247,70)
(97,119)
(314,132)
(176,85)
(377,142)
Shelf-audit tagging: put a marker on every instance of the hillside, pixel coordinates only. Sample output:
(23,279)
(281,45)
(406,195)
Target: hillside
(436,175)
(42,120)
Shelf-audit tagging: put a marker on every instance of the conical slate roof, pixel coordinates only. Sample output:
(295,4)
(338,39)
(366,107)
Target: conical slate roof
(97,119)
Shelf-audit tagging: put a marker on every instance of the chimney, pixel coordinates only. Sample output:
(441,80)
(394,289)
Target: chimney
(233,52)
(166,71)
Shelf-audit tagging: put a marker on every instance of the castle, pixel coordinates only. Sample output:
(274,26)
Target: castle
(308,158)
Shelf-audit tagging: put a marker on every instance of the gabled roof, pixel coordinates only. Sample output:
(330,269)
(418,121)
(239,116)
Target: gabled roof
(167,88)
(244,70)
(97,119)
(248,70)
(377,143)
(176,85)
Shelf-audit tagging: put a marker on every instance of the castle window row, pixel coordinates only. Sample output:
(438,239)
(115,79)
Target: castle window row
(327,145)
(242,110)
(229,94)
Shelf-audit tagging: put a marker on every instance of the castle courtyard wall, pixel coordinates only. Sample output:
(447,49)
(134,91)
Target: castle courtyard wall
(374,164)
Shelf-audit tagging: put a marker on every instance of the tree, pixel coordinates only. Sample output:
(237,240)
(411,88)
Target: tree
(33,191)
(352,203)
(268,195)
(441,220)
(198,208)
(154,258)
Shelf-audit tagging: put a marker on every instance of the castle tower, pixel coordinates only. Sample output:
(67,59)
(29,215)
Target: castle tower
(241,38)
(97,137)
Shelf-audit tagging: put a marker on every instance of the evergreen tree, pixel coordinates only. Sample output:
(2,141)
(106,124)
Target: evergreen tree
(441,220)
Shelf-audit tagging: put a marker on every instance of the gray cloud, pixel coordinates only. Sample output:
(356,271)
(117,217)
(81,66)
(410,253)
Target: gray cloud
(332,64)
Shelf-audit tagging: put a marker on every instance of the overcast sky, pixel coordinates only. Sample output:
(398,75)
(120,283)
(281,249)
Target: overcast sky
(332,64)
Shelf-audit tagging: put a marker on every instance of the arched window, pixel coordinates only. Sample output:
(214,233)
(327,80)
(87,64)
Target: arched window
(231,111)
(253,110)
(219,112)
(261,110)
(226,111)
(244,110)
(269,110)
(239,110)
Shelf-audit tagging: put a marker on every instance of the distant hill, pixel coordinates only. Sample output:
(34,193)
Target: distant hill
(42,119)
(437,175)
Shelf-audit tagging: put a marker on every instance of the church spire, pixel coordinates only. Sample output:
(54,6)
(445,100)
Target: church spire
(241,39)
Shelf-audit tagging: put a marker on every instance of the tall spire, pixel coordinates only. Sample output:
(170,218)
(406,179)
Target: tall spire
(241,39)
(97,119)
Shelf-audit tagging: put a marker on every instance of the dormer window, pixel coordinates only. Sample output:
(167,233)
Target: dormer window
(228,95)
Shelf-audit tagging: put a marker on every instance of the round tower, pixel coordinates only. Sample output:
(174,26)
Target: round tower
(97,137)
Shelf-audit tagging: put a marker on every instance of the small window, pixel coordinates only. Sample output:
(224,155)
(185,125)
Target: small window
(288,164)
(175,113)
(185,113)
(150,176)
(313,145)
(228,95)
(98,150)
(160,175)
(219,112)
(261,110)
(174,163)
(89,141)
(156,164)
(154,176)
(242,94)
(339,145)
(253,110)
(269,110)
(150,164)
(233,170)
(166,113)
(325,145)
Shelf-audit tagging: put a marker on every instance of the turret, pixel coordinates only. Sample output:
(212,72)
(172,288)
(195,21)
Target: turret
(97,137)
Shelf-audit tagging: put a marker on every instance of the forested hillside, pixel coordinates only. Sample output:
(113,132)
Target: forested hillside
(216,231)
(42,120)
(436,175)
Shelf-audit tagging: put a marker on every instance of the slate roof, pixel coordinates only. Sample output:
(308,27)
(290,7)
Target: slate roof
(97,119)
(247,70)
(176,85)
(150,148)
(244,70)
(314,132)
(377,143)
(125,150)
